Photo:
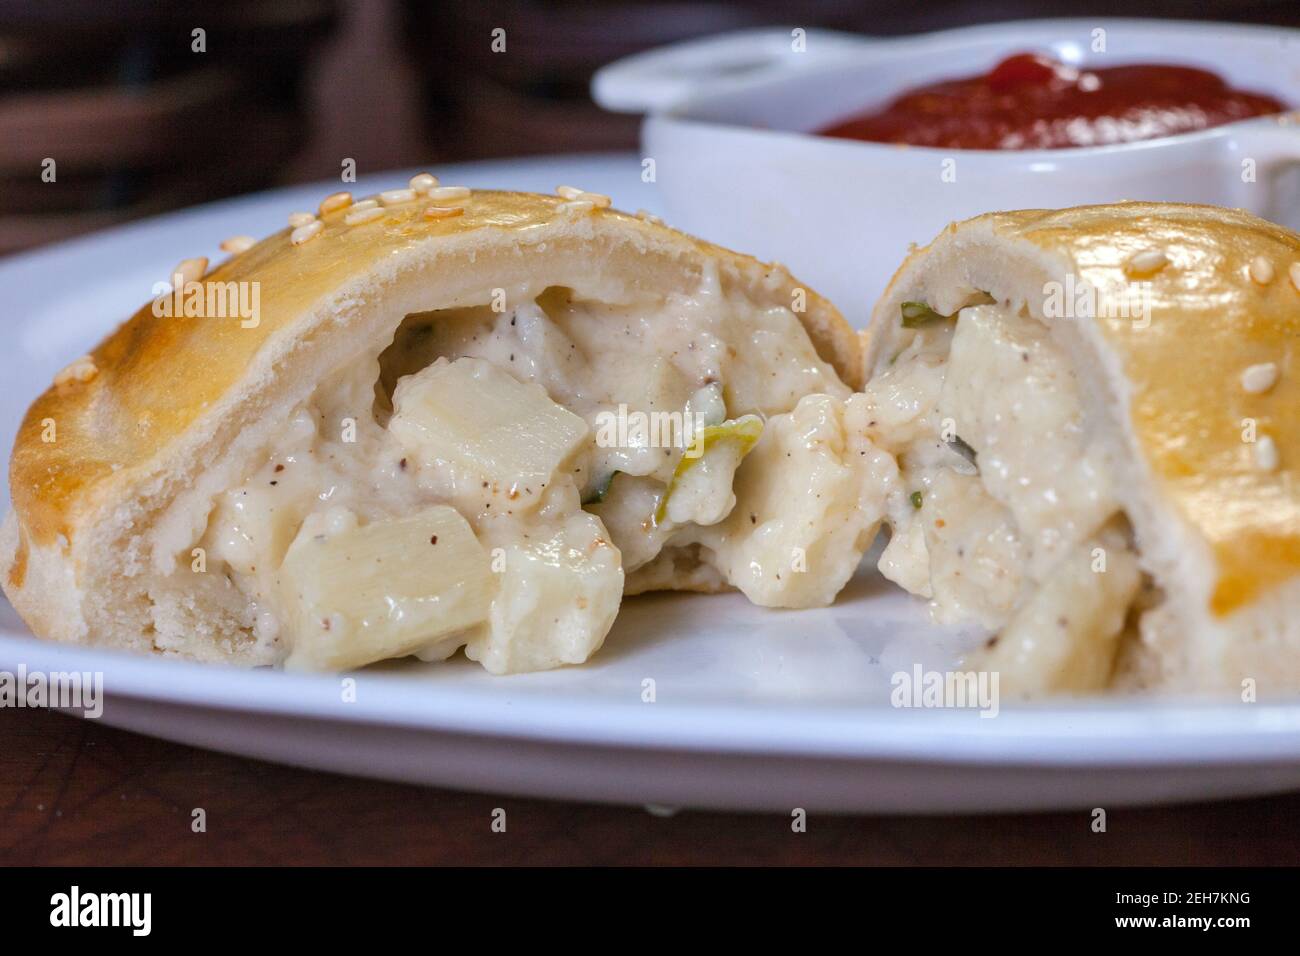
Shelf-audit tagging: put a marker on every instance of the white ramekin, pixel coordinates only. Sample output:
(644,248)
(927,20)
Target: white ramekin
(730,116)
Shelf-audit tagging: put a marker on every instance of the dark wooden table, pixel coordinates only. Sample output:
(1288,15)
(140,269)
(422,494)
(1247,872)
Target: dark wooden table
(76,792)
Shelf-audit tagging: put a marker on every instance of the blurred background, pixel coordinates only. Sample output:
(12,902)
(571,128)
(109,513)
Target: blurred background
(148,105)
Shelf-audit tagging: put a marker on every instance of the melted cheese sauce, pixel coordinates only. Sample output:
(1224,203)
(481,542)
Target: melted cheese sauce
(1026,541)
(562,568)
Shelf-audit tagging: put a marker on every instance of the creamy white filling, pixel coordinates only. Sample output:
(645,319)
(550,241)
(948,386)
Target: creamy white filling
(559,569)
(809,500)
(1024,542)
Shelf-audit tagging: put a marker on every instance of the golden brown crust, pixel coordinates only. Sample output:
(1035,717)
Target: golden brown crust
(156,376)
(1208,321)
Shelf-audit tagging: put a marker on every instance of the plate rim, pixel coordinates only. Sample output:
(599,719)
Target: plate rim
(1088,732)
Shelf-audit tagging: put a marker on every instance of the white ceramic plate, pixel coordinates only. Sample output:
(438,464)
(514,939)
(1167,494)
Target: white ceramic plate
(752,709)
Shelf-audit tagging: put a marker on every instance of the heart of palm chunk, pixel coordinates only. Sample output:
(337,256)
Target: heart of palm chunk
(485,421)
(385,589)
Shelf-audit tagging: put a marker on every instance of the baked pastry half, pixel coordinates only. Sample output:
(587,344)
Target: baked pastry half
(1096,416)
(452,419)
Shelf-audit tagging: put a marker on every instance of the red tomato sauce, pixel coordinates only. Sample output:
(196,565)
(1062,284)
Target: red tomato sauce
(1029,101)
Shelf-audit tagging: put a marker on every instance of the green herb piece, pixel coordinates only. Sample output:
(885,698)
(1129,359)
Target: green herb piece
(744,432)
(600,491)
